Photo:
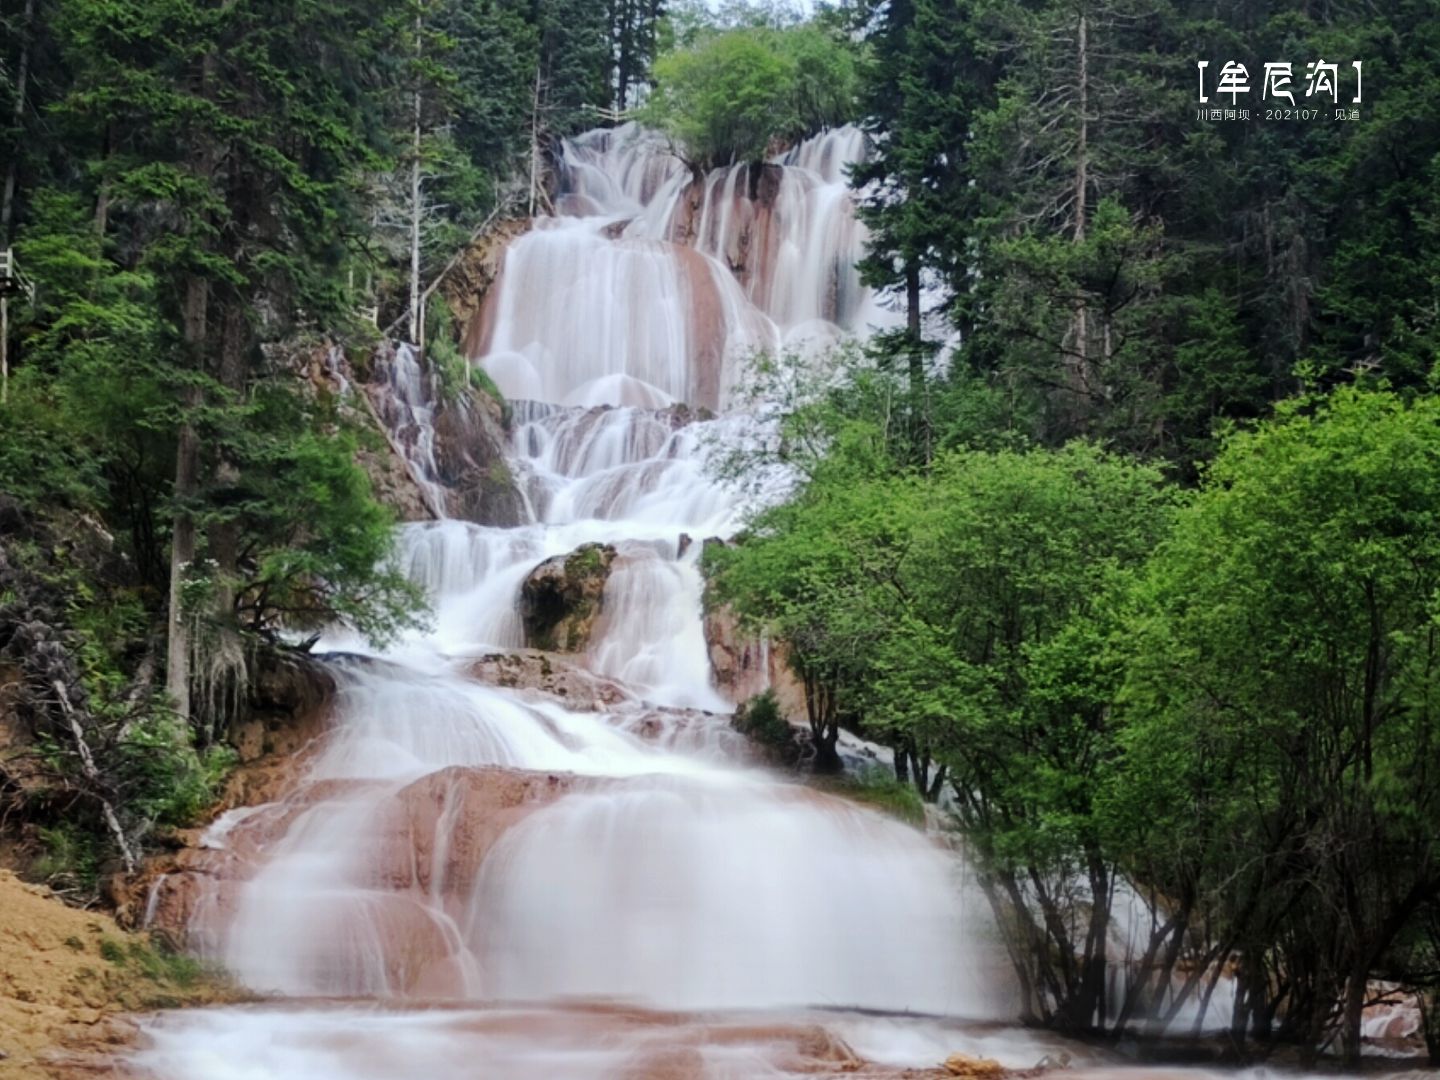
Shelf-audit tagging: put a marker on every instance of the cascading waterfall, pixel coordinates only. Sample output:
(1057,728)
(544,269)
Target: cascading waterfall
(465,842)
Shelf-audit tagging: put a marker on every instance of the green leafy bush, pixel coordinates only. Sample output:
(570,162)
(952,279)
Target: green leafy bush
(724,98)
(168,781)
(760,719)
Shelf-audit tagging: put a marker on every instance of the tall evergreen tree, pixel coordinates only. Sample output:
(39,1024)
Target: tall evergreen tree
(634,26)
(233,135)
(923,86)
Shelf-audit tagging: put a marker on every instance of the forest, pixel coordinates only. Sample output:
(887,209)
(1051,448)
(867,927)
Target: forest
(1124,537)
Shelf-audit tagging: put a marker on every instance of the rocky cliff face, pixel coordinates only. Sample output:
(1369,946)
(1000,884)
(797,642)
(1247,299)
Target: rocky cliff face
(746,664)
(449,442)
(546,674)
(459,812)
(470,459)
(468,283)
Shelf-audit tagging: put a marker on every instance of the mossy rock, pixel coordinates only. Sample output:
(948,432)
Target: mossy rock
(563,597)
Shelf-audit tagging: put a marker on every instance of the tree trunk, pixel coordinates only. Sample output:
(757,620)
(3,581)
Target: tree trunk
(22,74)
(937,785)
(612,72)
(4,350)
(92,774)
(535,142)
(417,329)
(187,483)
(194,332)
(1352,1014)
(901,759)
(1080,333)
(627,53)
(915,354)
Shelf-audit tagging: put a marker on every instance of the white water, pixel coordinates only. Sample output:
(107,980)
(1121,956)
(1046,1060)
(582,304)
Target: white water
(645,862)
(644,902)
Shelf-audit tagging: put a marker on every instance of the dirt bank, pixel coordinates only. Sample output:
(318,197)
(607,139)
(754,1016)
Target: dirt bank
(66,976)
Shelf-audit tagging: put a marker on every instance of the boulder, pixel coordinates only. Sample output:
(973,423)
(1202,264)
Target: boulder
(289,695)
(548,673)
(562,598)
(973,1068)
(447,446)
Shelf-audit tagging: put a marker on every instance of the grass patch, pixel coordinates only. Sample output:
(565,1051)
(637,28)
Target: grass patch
(152,974)
(480,380)
(71,858)
(877,787)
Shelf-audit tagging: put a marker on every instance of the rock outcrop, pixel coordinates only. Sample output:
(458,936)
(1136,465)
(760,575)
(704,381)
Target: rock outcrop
(288,699)
(468,282)
(546,673)
(471,462)
(276,740)
(562,598)
(449,440)
(974,1068)
(192,893)
(746,664)
(747,206)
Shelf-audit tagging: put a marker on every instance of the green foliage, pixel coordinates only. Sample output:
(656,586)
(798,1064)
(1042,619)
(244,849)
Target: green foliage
(726,97)
(922,89)
(878,787)
(166,780)
(71,857)
(1282,692)
(455,372)
(759,719)
(322,542)
(158,976)
(588,560)
(480,380)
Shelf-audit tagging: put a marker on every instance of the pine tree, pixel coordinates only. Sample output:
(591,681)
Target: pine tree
(234,133)
(633,31)
(573,76)
(923,87)
(1069,146)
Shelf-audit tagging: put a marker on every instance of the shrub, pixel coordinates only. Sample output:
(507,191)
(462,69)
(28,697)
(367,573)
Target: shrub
(724,98)
(760,719)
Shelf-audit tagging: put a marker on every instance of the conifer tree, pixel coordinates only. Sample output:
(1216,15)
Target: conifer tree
(234,136)
(923,86)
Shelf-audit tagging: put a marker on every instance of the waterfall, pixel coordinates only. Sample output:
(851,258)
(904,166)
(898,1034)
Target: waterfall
(500,848)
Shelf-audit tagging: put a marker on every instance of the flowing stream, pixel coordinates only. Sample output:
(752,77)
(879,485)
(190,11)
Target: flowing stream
(472,880)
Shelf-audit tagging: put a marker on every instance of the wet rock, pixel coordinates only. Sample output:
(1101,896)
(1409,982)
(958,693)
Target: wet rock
(449,441)
(548,673)
(562,598)
(746,664)
(393,484)
(459,812)
(974,1068)
(276,740)
(471,462)
(469,283)
(289,695)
